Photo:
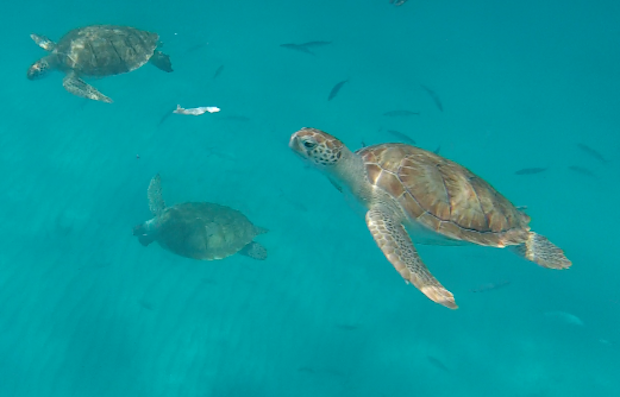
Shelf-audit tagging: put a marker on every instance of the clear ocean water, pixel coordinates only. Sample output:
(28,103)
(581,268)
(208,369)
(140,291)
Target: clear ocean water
(85,310)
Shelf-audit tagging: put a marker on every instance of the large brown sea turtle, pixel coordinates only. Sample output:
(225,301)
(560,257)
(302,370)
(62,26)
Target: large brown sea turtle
(410,193)
(97,51)
(204,231)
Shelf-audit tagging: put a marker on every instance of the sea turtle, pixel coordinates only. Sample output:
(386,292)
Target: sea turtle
(410,193)
(97,51)
(203,231)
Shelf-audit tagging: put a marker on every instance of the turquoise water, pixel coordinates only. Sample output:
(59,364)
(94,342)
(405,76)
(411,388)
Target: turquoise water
(85,310)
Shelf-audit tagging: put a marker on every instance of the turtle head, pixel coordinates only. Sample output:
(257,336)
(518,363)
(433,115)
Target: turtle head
(145,233)
(318,147)
(38,69)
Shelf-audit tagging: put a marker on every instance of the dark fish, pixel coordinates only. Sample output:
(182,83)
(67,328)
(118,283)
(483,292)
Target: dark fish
(436,151)
(581,170)
(587,149)
(336,89)
(218,71)
(347,327)
(297,47)
(400,113)
(490,286)
(315,44)
(530,171)
(434,96)
(195,48)
(363,144)
(437,364)
(165,116)
(401,136)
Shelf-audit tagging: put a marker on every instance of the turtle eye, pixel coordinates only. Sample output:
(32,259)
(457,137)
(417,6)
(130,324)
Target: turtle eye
(309,144)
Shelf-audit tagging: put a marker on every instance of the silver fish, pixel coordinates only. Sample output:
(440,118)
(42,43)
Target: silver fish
(196,111)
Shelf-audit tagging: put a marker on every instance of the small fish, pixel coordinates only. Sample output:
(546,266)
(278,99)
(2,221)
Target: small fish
(587,149)
(436,151)
(434,96)
(581,170)
(145,304)
(196,111)
(490,286)
(218,71)
(297,47)
(347,327)
(400,113)
(195,48)
(401,136)
(566,317)
(336,89)
(315,44)
(398,2)
(165,117)
(530,171)
(437,363)
(363,144)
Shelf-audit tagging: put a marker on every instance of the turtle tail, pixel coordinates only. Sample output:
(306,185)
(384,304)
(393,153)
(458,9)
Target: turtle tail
(543,252)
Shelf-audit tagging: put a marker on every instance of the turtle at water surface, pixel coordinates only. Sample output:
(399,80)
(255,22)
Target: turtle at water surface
(204,231)
(97,51)
(410,194)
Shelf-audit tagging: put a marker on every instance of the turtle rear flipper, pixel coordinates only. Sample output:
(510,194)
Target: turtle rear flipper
(43,42)
(79,87)
(255,251)
(156,199)
(162,61)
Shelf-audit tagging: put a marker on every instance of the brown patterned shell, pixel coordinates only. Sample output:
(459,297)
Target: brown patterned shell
(445,196)
(105,50)
(205,231)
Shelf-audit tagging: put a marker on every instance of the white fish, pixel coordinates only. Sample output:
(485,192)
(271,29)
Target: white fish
(566,317)
(196,111)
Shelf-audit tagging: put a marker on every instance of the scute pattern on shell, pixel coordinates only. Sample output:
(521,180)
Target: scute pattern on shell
(104,50)
(204,231)
(445,196)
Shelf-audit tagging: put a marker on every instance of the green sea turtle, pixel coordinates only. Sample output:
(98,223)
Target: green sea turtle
(203,231)
(410,193)
(97,51)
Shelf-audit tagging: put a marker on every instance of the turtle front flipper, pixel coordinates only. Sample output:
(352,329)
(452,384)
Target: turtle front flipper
(43,42)
(79,87)
(156,199)
(543,252)
(162,61)
(255,251)
(391,236)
